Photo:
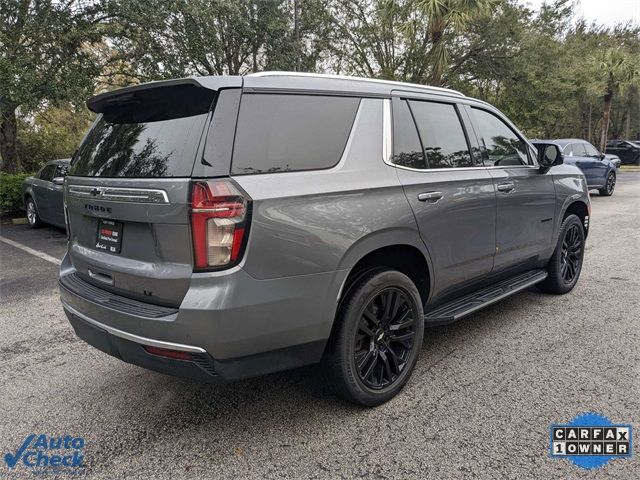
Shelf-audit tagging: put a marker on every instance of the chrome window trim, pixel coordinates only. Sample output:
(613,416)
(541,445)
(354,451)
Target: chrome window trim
(387,132)
(119,194)
(387,145)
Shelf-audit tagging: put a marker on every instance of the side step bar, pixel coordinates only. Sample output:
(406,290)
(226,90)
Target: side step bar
(461,307)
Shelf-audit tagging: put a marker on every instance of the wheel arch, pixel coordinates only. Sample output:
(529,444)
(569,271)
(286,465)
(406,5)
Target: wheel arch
(400,250)
(28,193)
(581,210)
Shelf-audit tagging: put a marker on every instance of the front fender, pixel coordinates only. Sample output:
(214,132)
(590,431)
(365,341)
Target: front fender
(27,190)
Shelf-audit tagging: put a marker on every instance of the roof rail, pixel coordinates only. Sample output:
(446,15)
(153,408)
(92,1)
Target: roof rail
(358,79)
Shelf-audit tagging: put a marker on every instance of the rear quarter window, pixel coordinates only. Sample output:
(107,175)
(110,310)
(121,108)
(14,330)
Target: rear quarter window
(284,133)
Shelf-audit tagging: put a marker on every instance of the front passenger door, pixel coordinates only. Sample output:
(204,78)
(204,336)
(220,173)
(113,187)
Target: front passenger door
(525,196)
(599,169)
(56,195)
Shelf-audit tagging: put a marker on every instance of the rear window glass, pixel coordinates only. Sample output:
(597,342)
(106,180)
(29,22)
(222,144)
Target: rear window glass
(443,138)
(147,134)
(283,133)
(407,150)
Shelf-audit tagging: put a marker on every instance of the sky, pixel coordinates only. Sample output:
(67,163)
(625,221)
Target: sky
(605,12)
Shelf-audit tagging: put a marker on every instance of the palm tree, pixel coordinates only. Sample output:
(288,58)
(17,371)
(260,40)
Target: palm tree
(443,14)
(620,71)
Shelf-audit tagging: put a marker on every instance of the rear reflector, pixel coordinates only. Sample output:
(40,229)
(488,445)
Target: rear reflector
(218,223)
(173,354)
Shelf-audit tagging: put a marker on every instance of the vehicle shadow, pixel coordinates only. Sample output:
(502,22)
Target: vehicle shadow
(278,407)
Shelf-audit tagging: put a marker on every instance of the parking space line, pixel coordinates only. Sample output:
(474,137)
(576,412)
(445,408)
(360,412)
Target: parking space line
(30,250)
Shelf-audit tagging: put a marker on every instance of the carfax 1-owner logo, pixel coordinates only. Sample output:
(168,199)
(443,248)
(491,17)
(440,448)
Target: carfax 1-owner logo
(48,454)
(591,440)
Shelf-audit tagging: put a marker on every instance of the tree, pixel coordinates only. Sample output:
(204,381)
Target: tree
(379,38)
(173,38)
(50,133)
(44,57)
(619,71)
(443,15)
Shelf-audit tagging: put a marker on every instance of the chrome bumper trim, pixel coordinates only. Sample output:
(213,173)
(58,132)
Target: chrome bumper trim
(132,337)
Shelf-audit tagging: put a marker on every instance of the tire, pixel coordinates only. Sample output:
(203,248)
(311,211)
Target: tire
(387,352)
(609,185)
(32,213)
(567,258)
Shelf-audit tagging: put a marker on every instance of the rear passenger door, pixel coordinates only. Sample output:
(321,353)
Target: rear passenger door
(525,195)
(453,198)
(40,189)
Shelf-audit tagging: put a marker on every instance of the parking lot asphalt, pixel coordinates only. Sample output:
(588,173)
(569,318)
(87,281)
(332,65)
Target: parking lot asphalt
(479,404)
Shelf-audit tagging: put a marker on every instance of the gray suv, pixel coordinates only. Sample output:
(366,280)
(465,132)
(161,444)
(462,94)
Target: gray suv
(225,227)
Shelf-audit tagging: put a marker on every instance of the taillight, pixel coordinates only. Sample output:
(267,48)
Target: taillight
(219,223)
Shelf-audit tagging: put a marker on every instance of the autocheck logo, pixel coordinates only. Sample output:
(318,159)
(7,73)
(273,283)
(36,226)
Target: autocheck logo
(46,454)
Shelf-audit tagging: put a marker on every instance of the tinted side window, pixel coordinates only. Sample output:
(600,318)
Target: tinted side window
(282,133)
(407,150)
(443,138)
(578,149)
(502,146)
(591,150)
(47,173)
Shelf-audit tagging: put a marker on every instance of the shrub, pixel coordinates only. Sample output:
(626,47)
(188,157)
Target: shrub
(11,192)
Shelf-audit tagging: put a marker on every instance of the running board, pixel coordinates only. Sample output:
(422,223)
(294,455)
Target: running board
(461,307)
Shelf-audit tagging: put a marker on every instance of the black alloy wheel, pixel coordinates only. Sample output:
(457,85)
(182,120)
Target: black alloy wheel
(571,254)
(609,186)
(377,337)
(384,338)
(565,264)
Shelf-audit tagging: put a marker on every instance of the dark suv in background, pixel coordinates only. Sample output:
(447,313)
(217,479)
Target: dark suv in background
(628,151)
(223,227)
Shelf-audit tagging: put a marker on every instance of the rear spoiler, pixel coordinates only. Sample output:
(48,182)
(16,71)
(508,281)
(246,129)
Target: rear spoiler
(102,102)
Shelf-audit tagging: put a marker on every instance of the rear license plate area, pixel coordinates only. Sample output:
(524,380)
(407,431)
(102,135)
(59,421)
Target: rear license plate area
(109,236)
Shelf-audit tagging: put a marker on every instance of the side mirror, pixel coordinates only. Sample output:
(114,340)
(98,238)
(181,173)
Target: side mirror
(549,155)
(601,156)
(58,180)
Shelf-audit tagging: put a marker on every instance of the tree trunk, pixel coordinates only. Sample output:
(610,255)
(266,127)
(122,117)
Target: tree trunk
(627,126)
(606,113)
(8,132)
(437,53)
(296,30)
(590,128)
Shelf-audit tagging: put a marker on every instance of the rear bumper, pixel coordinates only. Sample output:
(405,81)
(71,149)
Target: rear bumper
(199,368)
(235,324)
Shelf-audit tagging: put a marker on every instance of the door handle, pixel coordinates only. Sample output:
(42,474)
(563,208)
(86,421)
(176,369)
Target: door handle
(431,197)
(506,187)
